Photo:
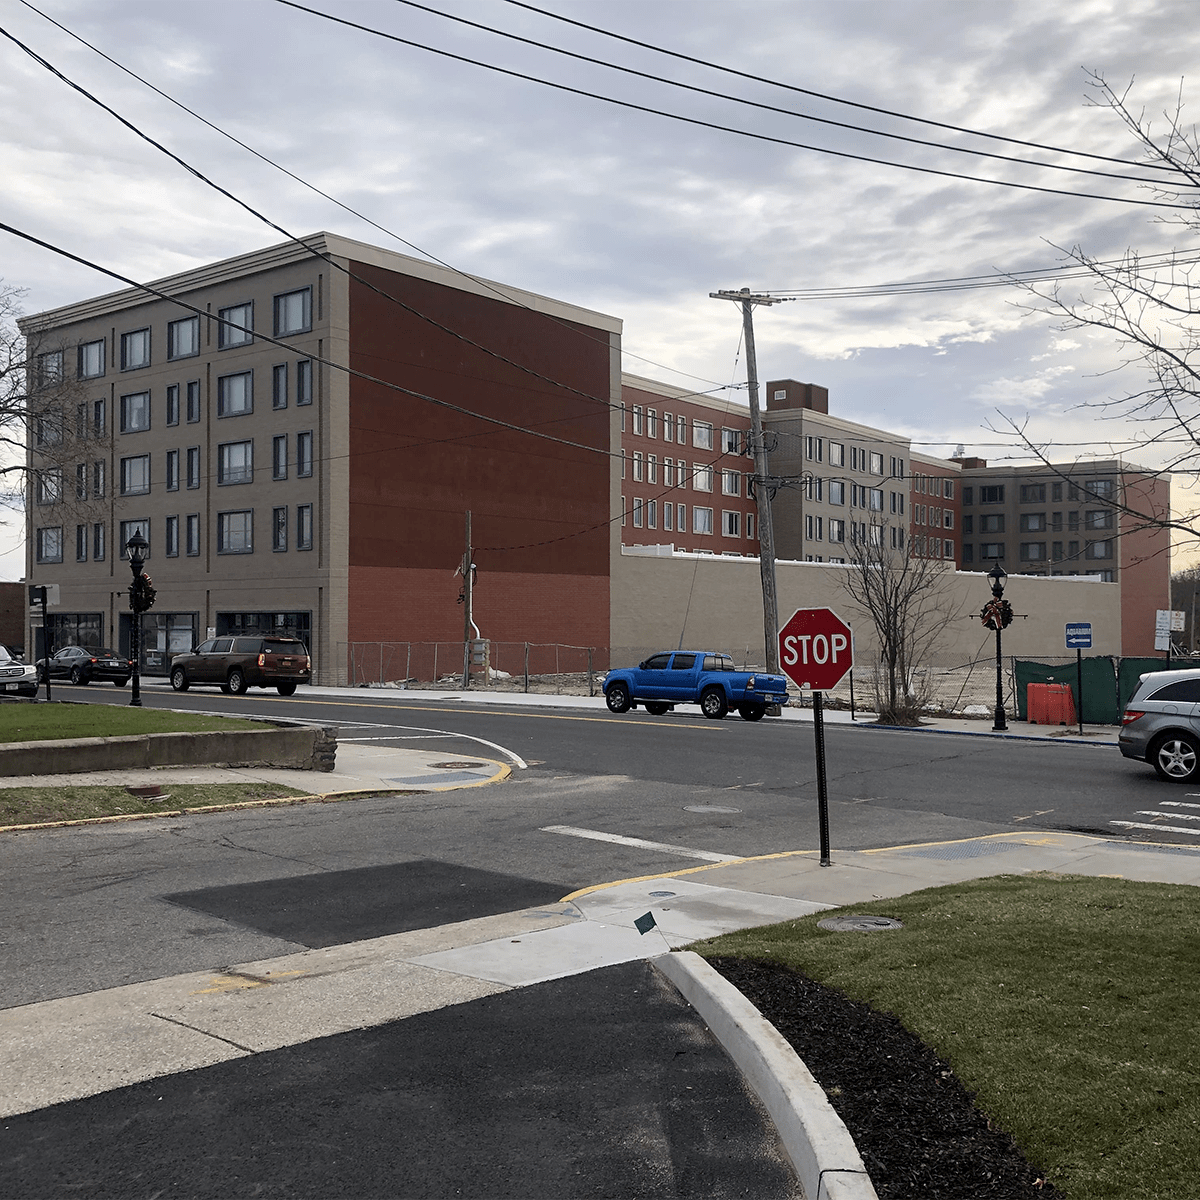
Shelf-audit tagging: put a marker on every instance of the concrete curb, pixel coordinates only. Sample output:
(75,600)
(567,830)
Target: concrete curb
(814,1138)
(1004,737)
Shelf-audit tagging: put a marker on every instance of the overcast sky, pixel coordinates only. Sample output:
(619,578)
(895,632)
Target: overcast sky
(624,211)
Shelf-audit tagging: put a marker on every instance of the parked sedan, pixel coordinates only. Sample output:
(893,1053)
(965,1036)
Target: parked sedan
(81,665)
(16,676)
(1161,724)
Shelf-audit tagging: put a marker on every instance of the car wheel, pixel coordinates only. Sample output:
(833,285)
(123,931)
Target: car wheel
(285,689)
(179,680)
(713,703)
(121,682)
(237,682)
(657,709)
(1177,758)
(752,711)
(617,698)
(77,677)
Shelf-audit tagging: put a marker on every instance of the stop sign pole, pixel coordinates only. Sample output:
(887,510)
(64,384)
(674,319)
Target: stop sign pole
(816,649)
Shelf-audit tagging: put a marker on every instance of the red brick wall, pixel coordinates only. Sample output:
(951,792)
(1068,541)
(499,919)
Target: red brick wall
(1145,572)
(540,509)
(14,598)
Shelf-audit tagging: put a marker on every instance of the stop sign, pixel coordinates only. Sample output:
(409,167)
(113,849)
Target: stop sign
(816,648)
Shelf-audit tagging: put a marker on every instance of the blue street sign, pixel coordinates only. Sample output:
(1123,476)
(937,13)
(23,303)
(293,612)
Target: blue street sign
(1079,635)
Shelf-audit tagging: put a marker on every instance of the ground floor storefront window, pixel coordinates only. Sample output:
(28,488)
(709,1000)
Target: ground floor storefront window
(264,624)
(163,635)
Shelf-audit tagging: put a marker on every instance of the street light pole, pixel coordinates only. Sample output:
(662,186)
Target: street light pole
(137,547)
(997,575)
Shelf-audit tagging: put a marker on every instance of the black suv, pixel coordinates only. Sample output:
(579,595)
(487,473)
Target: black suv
(237,663)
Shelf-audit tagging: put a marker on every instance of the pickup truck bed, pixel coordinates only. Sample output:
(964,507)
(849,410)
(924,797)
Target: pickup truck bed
(703,677)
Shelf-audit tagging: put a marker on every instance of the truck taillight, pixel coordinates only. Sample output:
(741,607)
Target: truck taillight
(262,660)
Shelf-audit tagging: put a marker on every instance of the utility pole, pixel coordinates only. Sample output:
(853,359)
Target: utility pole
(467,623)
(766,531)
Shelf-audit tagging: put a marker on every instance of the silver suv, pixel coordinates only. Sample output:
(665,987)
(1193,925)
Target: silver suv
(1161,724)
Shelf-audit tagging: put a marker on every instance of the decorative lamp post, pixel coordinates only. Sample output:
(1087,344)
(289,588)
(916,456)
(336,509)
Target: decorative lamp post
(997,614)
(137,547)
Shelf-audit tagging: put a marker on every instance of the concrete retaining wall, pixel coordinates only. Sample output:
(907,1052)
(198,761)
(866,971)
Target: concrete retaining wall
(298,747)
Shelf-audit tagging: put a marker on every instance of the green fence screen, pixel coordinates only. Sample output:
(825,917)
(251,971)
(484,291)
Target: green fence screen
(1131,668)
(1100,705)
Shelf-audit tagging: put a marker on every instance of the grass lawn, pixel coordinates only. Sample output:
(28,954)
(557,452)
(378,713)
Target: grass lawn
(40,805)
(44,722)
(1067,1004)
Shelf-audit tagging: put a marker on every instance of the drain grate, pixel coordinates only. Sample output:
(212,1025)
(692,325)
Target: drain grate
(858,923)
(457,766)
(709,808)
(963,850)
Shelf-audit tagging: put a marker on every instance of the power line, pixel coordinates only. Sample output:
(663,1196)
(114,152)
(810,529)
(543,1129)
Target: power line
(688,87)
(348,208)
(887,112)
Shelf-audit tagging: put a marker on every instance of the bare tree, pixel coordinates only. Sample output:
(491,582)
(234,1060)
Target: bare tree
(907,600)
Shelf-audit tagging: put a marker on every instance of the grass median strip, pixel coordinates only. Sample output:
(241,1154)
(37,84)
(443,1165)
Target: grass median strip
(1066,1004)
(50,722)
(43,805)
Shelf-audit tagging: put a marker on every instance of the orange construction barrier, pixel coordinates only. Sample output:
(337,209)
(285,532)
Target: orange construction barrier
(1049,704)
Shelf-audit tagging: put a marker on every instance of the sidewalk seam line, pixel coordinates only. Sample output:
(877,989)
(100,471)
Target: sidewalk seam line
(205,1033)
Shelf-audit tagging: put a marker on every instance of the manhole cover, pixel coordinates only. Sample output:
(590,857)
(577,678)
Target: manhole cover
(662,893)
(457,766)
(716,808)
(860,923)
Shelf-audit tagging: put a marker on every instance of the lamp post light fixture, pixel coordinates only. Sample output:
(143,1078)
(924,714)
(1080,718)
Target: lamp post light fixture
(137,547)
(997,575)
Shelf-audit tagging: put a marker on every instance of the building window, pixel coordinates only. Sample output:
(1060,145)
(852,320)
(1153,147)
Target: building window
(651,514)
(304,381)
(968,525)
(638,467)
(98,542)
(1056,549)
(837,454)
(91,360)
(193,535)
(702,477)
(81,482)
(304,526)
(622,510)
(876,463)
(668,513)
(731,483)
(622,416)
(99,472)
(1033,493)
(651,423)
(668,471)
(172,470)
(897,467)
(1099,489)
(1033,551)
(968,554)
(193,402)
(235,394)
(837,490)
(681,518)
(171,537)
(135,475)
(173,404)
(235,532)
(681,430)
(750,525)
(947,518)
(814,449)
(135,349)
(948,488)
(731,524)
(968,498)
(183,338)
(279,385)
(49,544)
(135,412)
(993,494)
(1098,519)
(237,326)
(837,530)
(49,485)
(702,520)
(991,551)
(304,454)
(702,437)
(651,468)
(81,543)
(193,467)
(639,423)
(638,511)
(875,496)
(814,487)
(1099,549)
(1033,522)
(279,530)
(668,426)
(50,368)
(235,463)
(993,523)
(279,457)
(293,312)
(731,441)
(128,529)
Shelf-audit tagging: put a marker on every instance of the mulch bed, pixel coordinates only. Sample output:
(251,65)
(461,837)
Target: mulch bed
(915,1125)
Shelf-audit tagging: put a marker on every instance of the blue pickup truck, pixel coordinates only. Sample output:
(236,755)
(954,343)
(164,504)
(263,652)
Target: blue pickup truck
(693,677)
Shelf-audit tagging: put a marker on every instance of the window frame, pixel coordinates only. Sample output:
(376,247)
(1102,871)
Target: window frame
(128,410)
(229,337)
(223,531)
(125,484)
(173,353)
(229,473)
(127,343)
(84,347)
(305,310)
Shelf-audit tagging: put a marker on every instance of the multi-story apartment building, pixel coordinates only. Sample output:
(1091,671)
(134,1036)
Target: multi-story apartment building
(935,506)
(684,470)
(1087,518)
(845,481)
(299,440)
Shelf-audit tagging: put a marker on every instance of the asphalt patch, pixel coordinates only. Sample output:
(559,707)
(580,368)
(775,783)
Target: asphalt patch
(329,908)
(600,1085)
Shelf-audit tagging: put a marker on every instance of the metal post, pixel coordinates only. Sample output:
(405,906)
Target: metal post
(467,608)
(1000,724)
(822,793)
(135,646)
(1079,685)
(46,643)
(591,684)
(408,666)
(527,666)
(852,693)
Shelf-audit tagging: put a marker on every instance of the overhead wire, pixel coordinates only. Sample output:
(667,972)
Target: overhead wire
(478,280)
(716,126)
(688,87)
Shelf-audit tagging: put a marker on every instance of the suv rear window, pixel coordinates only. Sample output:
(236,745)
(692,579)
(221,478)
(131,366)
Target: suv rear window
(1187,690)
(247,645)
(284,648)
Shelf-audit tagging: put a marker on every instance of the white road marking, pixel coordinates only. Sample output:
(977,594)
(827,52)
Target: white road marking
(516,759)
(1143,812)
(596,836)
(1156,828)
(401,737)
(1177,804)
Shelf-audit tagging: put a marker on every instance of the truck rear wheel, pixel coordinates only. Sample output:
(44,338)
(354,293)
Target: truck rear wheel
(713,703)
(751,711)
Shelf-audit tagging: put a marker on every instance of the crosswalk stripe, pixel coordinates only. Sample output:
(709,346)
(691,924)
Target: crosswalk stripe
(1156,828)
(640,843)
(1144,812)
